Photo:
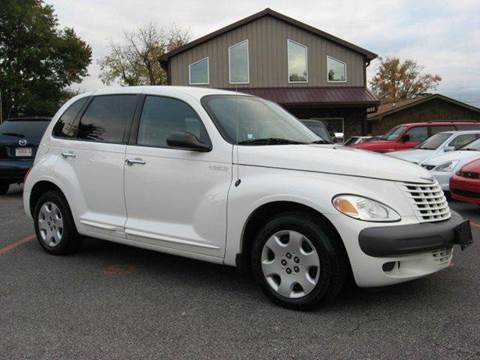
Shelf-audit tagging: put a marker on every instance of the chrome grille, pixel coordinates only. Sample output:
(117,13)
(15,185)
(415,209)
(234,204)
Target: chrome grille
(429,201)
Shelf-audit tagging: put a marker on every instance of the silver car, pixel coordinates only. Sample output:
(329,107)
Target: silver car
(437,145)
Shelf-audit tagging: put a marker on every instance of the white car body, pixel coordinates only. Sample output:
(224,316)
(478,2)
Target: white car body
(457,158)
(198,204)
(419,156)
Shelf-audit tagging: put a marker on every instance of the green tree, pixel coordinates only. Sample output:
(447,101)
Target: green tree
(38,60)
(396,80)
(135,61)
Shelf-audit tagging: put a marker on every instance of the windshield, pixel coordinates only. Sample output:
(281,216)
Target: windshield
(30,130)
(247,120)
(432,143)
(473,146)
(394,133)
(318,128)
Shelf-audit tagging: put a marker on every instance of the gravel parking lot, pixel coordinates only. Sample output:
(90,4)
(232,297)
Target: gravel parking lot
(116,302)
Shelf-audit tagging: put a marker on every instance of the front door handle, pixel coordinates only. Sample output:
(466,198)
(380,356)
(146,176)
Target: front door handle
(68,154)
(136,161)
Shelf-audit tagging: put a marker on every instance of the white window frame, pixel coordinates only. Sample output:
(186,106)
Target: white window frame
(230,64)
(190,72)
(340,61)
(306,62)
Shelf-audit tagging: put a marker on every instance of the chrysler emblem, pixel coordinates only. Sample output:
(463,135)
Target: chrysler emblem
(22,142)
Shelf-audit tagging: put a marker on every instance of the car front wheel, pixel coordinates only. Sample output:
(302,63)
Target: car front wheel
(298,262)
(54,225)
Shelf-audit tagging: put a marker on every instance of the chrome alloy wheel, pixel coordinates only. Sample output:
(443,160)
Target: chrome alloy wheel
(50,224)
(290,264)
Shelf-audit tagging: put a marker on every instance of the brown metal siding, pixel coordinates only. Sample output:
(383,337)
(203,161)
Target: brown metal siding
(267,38)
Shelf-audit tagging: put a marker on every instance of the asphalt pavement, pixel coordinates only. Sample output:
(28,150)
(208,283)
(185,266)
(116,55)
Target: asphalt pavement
(116,302)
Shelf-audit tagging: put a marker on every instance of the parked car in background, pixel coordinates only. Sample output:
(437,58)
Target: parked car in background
(319,128)
(444,166)
(19,139)
(407,136)
(357,140)
(436,145)
(465,184)
(236,180)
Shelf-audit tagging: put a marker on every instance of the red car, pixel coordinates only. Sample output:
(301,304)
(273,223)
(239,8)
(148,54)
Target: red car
(465,184)
(407,136)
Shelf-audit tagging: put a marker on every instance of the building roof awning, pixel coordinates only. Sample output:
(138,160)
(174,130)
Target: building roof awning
(315,96)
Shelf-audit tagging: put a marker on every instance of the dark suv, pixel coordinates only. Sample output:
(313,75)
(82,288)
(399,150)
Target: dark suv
(19,139)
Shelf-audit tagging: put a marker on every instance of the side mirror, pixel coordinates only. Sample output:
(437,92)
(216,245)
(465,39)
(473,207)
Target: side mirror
(449,148)
(184,140)
(405,138)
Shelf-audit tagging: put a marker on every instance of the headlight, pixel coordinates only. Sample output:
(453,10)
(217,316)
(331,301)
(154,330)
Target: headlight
(364,209)
(446,167)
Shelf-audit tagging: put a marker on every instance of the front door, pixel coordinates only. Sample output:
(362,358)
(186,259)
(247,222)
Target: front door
(176,199)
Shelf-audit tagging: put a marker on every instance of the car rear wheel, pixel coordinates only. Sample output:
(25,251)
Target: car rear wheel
(4,188)
(54,225)
(298,263)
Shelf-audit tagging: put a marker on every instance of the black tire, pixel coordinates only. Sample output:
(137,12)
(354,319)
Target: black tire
(4,188)
(332,256)
(70,241)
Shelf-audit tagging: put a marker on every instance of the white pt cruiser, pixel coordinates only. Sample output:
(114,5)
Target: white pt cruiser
(235,180)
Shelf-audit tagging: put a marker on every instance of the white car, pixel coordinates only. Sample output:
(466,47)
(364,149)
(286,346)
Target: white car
(232,179)
(443,167)
(436,145)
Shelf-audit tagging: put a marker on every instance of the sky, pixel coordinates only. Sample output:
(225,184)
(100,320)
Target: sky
(441,35)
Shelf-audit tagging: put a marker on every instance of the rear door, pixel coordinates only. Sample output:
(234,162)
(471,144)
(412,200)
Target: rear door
(176,198)
(91,159)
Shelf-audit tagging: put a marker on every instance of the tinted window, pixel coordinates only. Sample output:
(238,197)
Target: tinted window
(435,141)
(30,130)
(107,118)
(461,140)
(418,133)
(65,126)
(440,128)
(163,116)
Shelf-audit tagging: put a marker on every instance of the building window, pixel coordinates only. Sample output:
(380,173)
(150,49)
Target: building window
(198,72)
(336,70)
(238,66)
(297,62)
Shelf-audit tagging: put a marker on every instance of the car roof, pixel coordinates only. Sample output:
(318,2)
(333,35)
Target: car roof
(30,118)
(194,91)
(437,123)
(460,132)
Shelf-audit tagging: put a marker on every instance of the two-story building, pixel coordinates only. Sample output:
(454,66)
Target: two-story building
(310,73)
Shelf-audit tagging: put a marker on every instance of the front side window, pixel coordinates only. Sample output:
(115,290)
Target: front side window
(238,63)
(247,120)
(336,70)
(462,140)
(163,116)
(394,133)
(107,118)
(198,72)
(297,62)
(65,126)
(418,133)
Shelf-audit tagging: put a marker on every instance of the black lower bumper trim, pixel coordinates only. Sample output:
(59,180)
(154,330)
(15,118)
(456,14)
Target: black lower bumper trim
(386,241)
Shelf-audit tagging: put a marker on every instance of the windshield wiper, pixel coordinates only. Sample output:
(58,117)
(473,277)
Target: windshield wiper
(268,141)
(13,134)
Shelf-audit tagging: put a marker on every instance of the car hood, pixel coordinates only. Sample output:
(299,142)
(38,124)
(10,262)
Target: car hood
(332,159)
(462,156)
(415,155)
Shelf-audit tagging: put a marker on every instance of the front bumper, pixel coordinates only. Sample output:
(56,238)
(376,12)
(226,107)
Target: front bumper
(13,171)
(389,241)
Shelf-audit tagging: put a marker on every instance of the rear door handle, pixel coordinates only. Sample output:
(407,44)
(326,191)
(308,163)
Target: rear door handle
(68,154)
(136,161)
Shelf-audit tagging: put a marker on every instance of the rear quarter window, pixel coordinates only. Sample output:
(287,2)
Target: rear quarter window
(66,126)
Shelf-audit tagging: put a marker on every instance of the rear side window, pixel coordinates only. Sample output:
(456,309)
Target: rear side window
(441,128)
(107,118)
(162,116)
(65,126)
(462,140)
(468,126)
